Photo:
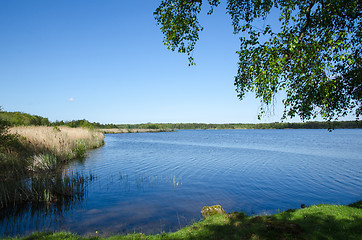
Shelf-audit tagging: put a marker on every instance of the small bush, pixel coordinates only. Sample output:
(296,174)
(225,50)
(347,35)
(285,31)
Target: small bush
(56,129)
(80,149)
(43,162)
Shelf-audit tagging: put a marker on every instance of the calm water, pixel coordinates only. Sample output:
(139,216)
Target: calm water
(153,182)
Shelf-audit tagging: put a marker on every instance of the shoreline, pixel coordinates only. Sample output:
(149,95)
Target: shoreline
(137,130)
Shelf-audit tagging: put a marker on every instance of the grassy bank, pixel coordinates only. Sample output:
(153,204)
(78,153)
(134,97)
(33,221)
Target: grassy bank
(32,159)
(314,222)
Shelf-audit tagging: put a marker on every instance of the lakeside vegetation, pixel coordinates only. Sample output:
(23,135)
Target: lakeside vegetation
(62,143)
(40,148)
(32,159)
(315,222)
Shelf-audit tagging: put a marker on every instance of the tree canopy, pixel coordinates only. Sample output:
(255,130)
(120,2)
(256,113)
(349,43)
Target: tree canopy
(313,55)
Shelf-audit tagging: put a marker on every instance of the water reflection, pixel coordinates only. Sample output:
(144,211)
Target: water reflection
(52,198)
(131,215)
(39,201)
(33,216)
(143,180)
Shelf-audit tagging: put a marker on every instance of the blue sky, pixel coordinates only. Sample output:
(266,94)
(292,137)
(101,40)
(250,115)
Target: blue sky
(104,61)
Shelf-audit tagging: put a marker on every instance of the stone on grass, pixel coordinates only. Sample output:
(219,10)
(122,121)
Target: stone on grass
(212,210)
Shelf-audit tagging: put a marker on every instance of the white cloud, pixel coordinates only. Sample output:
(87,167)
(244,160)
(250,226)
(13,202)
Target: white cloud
(71,99)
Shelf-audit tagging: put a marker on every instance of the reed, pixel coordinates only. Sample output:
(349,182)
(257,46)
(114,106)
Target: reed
(60,143)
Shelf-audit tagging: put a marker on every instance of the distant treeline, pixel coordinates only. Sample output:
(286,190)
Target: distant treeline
(275,125)
(24,119)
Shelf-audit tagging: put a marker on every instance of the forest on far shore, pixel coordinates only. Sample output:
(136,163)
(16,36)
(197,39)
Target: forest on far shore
(25,119)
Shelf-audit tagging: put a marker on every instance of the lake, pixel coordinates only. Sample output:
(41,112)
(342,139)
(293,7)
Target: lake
(154,182)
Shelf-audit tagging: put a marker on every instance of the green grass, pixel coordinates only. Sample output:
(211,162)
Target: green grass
(314,222)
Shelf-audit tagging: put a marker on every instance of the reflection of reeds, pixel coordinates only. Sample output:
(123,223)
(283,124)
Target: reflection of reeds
(43,188)
(47,197)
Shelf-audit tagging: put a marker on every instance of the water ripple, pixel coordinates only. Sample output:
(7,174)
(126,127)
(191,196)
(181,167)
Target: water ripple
(145,179)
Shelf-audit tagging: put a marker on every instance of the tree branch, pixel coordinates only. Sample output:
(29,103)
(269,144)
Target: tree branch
(307,13)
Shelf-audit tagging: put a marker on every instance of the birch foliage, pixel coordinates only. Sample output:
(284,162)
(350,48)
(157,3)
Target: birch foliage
(313,55)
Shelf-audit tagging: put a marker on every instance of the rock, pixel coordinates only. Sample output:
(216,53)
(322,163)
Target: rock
(212,210)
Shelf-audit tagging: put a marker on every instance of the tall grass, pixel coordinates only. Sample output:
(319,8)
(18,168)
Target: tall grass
(63,143)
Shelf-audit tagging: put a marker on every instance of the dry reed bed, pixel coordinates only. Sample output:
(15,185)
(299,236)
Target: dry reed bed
(62,142)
